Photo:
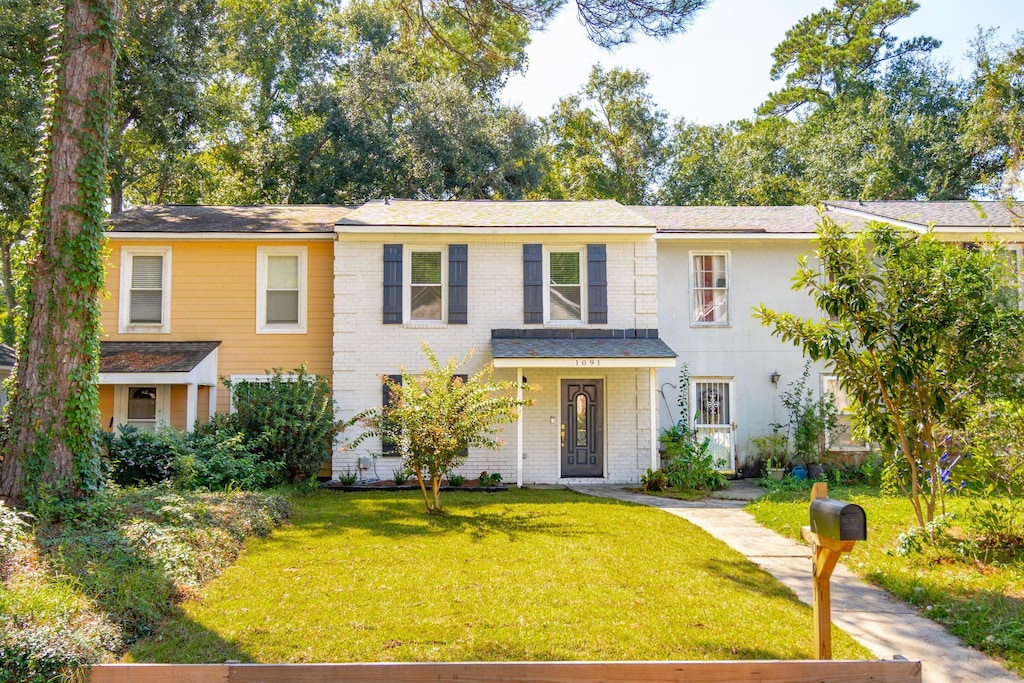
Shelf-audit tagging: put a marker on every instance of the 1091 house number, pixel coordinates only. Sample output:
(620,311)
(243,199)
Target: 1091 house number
(587,362)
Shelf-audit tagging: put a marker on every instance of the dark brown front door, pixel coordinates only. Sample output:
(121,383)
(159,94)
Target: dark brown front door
(582,430)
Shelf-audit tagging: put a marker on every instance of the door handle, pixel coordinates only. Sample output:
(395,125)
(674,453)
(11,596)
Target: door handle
(563,435)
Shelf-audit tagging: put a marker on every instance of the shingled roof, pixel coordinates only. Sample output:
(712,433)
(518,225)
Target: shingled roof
(602,213)
(948,215)
(153,356)
(7,356)
(289,218)
(732,219)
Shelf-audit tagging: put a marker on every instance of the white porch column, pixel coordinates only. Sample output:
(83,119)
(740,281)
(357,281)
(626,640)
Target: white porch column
(191,406)
(213,400)
(654,419)
(519,429)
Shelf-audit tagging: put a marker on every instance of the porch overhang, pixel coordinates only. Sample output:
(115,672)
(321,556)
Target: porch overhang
(580,348)
(192,363)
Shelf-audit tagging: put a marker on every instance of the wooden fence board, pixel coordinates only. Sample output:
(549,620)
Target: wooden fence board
(803,671)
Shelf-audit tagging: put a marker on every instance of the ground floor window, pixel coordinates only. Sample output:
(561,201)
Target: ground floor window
(843,439)
(143,406)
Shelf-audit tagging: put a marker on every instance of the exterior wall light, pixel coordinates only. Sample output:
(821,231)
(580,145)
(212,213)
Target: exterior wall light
(775,378)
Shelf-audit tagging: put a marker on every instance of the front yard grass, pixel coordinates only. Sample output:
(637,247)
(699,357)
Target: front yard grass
(980,602)
(517,575)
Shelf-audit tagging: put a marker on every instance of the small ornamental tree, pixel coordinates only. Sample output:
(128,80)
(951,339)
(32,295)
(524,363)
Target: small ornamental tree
(435,416)
(917,330)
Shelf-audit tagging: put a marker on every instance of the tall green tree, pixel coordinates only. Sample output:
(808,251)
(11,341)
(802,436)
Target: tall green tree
(838,52)
(165,59)
(49,446)
(916,330)
(996,121)
(607,141)
(751,162)
(861,116)
(24,27)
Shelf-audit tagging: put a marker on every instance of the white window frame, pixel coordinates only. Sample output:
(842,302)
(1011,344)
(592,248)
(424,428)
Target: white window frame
(124,318)
(263,255)
(408,251)
(855,446)
(582,251)
(163,404)
(728,289)
(261,379)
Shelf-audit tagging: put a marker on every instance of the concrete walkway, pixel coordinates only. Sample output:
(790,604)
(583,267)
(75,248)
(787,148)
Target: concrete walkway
(881,623)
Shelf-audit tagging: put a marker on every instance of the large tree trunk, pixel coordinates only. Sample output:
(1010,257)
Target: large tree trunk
(50,447)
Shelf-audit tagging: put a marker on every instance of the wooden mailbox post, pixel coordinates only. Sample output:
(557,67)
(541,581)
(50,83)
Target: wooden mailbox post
(835,528)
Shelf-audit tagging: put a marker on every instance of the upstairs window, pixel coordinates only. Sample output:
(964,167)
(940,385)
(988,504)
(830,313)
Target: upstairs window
(426,286)
(281,290)
(145,290)
(710,289)
(565,286)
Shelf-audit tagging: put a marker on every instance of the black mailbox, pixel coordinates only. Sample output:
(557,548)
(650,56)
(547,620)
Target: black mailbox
(836,519)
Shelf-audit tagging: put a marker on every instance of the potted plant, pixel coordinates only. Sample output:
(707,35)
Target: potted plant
(773,450)
(812,422)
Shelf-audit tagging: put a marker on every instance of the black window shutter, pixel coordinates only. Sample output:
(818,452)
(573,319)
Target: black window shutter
(597,284)
(392,284)
(387,447)
(458,281)
(465,451)
(533,284)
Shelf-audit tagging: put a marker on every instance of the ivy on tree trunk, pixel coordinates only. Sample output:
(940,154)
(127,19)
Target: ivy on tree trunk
(50,447)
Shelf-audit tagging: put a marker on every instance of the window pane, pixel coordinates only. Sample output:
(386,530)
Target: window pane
(426,267)
(141,403)
(565,303)
(581,421)
(146,306)
(425,303)
(565,268)
(147,272)
(283,307)
(283,272)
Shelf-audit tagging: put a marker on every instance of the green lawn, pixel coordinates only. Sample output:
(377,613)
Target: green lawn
(520,575)
(981,602)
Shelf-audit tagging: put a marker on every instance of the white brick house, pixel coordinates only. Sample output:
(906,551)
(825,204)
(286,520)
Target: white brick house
(561,293)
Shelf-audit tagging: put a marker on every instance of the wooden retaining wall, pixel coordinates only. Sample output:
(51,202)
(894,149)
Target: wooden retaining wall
(803,671)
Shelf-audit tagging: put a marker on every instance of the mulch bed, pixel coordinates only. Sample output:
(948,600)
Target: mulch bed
(390,485)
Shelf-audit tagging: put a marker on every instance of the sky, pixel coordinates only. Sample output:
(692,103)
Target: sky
(718,70)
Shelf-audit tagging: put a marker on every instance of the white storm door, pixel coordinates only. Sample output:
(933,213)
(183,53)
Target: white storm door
(712,402)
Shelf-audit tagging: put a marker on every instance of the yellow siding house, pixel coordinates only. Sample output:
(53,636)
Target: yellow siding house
(199,293)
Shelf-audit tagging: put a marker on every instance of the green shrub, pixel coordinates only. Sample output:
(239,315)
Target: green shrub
(456,480)
(488,480)
(218,458)
(400,475)
(139,457)
(348,477)
(693,468)
(654,480)
(287,420)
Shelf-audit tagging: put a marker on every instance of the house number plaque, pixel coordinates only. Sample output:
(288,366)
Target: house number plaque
(587,362)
